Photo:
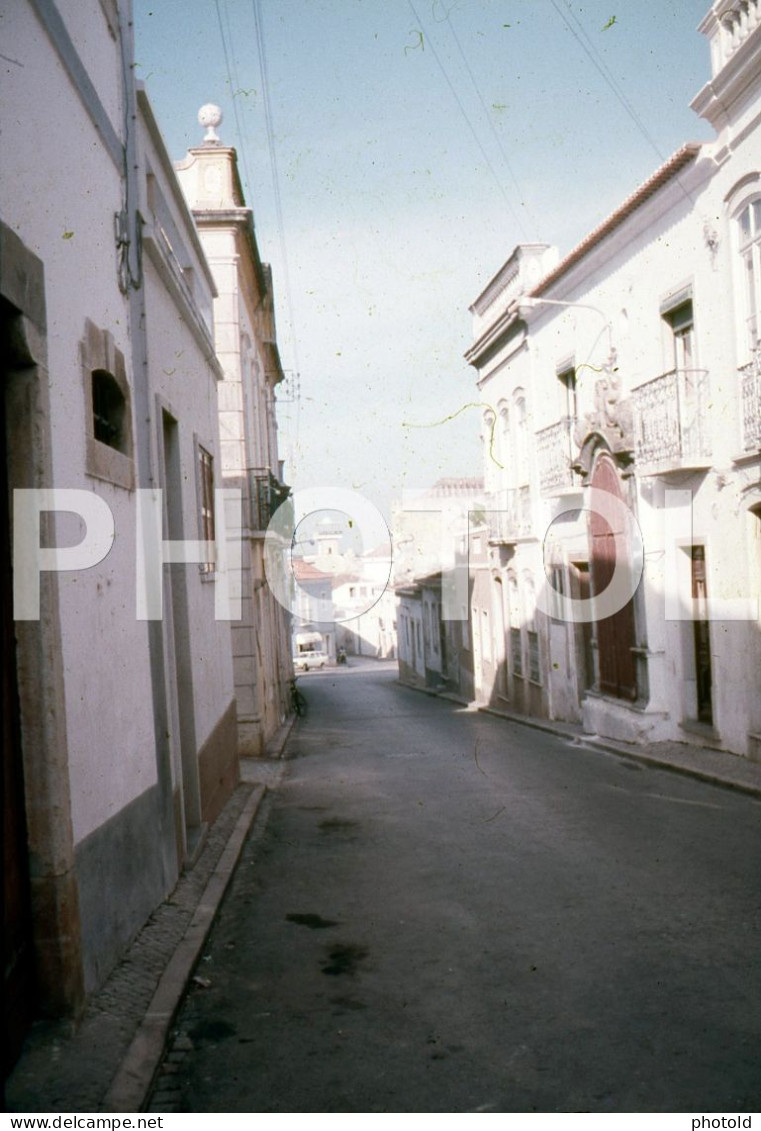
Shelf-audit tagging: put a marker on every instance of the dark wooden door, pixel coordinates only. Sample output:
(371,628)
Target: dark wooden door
(17,937)
(702,636)
(581,591)
(615,634)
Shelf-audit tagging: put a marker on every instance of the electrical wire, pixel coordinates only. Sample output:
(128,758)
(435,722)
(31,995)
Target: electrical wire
(238,127)
(468,122)
(489,118)
(234,90)
(594,57)
(264,73)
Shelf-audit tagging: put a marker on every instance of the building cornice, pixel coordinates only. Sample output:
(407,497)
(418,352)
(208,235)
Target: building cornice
(498,334)
(170,179)
(738,73)
(241,219)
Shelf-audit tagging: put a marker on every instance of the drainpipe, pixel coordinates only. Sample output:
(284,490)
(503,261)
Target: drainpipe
(131,281)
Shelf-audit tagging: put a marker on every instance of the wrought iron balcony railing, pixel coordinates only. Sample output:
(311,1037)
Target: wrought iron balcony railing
(750,376)
(266,494)
(672,422)
(554,455)
(509,514)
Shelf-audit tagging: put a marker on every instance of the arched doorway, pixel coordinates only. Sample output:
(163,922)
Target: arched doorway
(615,635)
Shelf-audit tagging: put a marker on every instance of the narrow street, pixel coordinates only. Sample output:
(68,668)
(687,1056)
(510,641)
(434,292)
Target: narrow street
(440,911)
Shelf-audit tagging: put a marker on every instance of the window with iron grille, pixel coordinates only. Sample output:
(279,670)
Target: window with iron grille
(206,499)
(750,254)
(108,415)
(108,411)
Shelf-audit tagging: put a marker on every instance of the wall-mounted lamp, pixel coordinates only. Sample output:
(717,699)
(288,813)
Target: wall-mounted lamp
(531,302)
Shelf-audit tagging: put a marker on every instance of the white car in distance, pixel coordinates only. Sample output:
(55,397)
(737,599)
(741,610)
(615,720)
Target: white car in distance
(305,661)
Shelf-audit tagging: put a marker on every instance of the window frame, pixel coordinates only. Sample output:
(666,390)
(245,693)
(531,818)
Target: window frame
(678,318)
(99,354)
(515,618)
(750,246)
(740,196)
(205,510)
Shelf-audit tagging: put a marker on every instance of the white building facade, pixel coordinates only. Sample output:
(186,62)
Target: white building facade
(437,536)
(119,721)
(631,367)
(246,345)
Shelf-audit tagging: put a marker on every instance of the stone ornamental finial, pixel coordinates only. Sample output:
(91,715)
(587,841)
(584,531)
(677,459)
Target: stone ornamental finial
(210,116)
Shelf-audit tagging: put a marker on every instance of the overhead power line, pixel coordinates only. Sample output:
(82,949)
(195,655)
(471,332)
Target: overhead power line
(597,62)
(488,116)
(272,149)
(229,69)
(609,78)
(470,125)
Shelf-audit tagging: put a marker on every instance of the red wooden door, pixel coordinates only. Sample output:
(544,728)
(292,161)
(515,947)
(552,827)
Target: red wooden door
(615,634)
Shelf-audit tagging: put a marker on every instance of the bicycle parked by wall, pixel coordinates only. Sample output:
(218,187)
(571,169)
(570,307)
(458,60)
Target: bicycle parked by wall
(298,701)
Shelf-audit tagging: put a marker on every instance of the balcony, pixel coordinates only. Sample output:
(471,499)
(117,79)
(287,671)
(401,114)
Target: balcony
(509,515)
(751,406)
(554,457)
(266,493)
(672,422)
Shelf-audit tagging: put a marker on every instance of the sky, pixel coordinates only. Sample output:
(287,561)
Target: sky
(415,143)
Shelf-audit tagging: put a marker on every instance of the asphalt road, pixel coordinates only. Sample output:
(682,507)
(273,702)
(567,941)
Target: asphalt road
(446,912)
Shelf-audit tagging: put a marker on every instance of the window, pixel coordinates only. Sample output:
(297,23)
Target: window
(206,504)
(516,651)
(488,427)
(109,407)
(505,448)
(108,412)
(532,635)
(534,666)
(516,642)
(567,378)
(682,324)
(520,420)
(749,222)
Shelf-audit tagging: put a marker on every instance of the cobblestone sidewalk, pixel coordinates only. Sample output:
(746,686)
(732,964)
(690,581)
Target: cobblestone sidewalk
(64,1068)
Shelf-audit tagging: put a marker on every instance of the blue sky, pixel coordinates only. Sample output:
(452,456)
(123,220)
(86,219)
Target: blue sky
(417,141)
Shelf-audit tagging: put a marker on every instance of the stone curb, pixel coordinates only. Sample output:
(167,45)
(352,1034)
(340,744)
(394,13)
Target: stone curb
(592,742)
(132,1082)
(675,767)
(276,745)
